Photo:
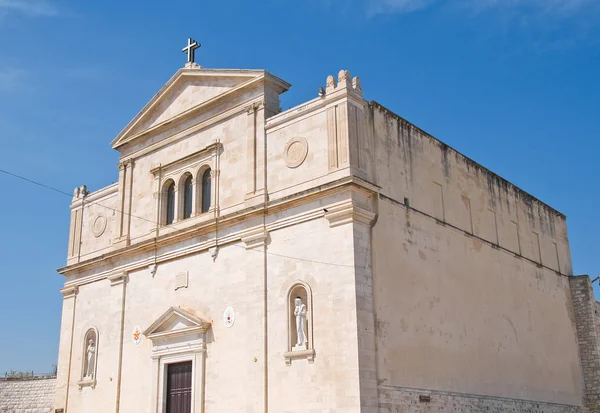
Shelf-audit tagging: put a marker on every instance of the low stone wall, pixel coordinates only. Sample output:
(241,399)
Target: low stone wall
(398,399)
(33,395)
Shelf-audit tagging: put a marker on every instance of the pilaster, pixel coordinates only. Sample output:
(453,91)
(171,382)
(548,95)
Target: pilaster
(255,166)
(65,347)
(125,202)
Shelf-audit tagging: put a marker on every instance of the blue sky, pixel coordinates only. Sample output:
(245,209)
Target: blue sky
(513,84)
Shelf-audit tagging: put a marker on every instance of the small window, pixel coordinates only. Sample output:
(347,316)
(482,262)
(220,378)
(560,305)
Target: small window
(170,204)
(206,190)
(187,197)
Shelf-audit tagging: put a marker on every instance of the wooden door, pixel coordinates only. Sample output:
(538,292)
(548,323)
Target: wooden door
(179,387)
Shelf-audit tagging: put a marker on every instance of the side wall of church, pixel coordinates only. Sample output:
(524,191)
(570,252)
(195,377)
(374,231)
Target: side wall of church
(471,293)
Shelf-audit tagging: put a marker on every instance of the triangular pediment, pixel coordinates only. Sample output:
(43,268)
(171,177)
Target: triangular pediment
(176,321)
(191,89)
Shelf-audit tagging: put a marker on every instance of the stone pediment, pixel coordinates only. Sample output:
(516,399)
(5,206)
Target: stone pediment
(176,322)
(188,92)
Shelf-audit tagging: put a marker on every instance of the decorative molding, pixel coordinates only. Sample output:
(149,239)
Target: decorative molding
(256,238)
(303,354)
(70,291)
(99,225)
(347,212)
(117,279)
(295,152)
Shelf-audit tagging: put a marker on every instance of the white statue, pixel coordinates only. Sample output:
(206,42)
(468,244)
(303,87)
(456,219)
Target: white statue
(91,351)
(300,313)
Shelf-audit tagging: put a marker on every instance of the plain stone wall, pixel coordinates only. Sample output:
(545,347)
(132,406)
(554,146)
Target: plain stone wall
(470,276)
(27,396)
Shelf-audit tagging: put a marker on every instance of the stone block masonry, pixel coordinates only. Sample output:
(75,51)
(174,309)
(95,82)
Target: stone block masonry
(587,319)
(398,399)
(27,395)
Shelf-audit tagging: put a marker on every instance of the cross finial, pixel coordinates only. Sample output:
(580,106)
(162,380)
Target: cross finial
(190,49)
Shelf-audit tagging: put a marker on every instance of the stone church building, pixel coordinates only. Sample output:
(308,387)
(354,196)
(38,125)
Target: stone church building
(328,258)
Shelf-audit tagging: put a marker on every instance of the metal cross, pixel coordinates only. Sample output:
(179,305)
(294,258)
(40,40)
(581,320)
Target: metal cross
(190,49)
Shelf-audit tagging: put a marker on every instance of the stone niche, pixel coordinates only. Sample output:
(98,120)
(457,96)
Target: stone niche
(300,323)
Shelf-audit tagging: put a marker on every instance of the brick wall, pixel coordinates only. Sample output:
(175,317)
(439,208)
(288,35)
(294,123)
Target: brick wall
(399,399)
(27,396)
(587,318)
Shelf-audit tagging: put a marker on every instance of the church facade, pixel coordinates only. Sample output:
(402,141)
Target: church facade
(328,258)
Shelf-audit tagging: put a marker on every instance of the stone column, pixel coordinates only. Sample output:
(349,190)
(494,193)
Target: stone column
(63,375)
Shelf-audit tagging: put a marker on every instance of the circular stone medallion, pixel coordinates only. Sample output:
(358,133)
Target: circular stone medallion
(99,225)
(295,152)
(228,317)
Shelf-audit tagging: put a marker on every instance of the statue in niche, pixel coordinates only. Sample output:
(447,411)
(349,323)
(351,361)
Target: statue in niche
(90,353)
(300,313)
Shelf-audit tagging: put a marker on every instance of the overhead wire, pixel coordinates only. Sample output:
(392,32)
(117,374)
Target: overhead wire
(31,181)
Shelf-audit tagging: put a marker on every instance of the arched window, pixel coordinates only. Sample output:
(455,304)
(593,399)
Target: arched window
(206,190)
(187,197)
(170,201)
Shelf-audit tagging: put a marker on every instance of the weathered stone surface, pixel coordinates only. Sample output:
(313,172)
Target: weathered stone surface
(394,400)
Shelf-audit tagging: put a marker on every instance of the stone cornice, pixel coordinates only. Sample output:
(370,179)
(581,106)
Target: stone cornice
(252,238)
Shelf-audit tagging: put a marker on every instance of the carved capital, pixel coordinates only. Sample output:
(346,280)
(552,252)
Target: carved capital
(126,163)
(255,107)
(256,238)
(349,212)
(69,292)
(117,279)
